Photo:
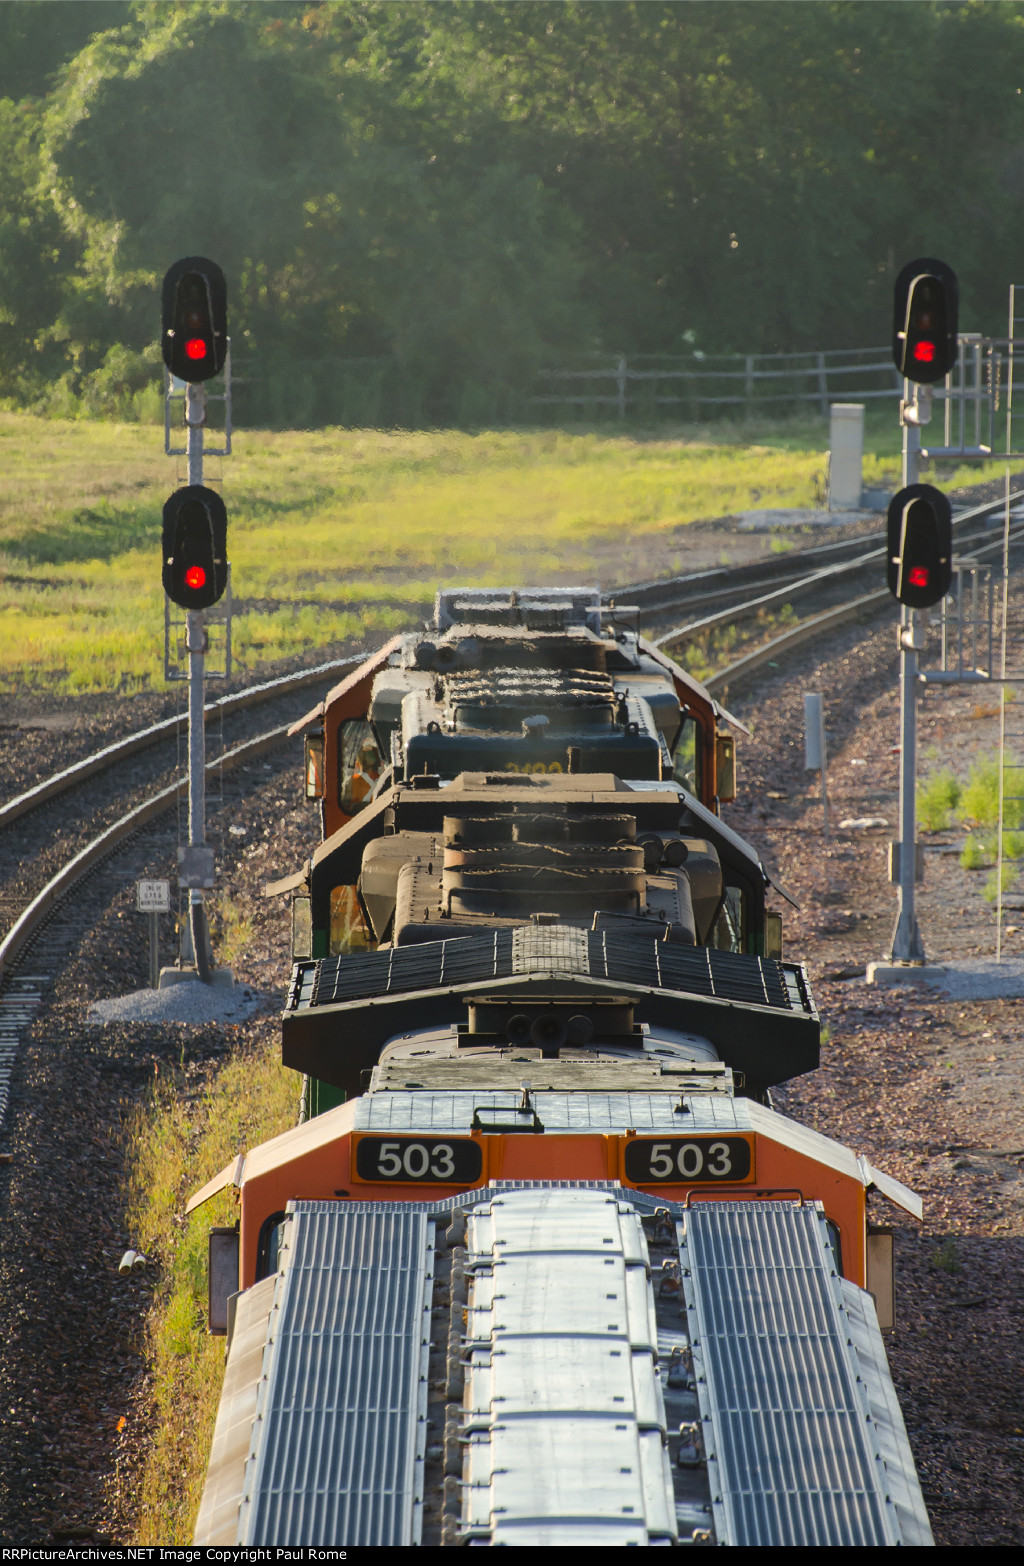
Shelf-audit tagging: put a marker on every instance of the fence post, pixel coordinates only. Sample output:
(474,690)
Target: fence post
(823,385)
(748,385)
(620,382)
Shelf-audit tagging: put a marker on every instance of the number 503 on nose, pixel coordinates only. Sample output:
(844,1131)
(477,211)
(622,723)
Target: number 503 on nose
(692,1160)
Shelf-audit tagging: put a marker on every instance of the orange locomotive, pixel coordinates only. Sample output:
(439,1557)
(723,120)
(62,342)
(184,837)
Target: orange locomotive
(542,1264)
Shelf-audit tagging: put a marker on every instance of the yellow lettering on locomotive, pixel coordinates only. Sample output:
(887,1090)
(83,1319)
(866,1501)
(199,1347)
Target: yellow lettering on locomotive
(534,766)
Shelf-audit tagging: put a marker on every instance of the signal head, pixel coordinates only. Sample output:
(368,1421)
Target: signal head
(925,321)
(195,530)
(920,539)
(194,319)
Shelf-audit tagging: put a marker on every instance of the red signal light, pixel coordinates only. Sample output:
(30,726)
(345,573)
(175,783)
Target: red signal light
(195,578)
(924,352)
(918,576)
(195,348)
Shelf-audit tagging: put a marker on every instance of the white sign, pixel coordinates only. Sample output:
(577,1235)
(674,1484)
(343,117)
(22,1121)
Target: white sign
(153,896)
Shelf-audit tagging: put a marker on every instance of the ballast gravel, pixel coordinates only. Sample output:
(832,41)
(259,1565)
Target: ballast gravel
(189,1002)
(983,978)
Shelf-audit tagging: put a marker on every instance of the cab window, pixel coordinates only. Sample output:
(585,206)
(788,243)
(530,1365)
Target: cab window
(686,757)
(729,928)
(358,764)
(268,1245)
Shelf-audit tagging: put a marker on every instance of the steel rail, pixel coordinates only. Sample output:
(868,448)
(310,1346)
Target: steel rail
(671,592)
(675,592)
(120,750)
(826,621)
(783,594)
(816,579)
(111,838)
(679,588)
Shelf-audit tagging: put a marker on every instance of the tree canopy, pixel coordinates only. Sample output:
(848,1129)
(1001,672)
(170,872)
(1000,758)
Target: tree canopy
(419,205)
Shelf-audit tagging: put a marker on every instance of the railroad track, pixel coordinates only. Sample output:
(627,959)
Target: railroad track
(742,597)
(978,542)
(35,944)
(728,584)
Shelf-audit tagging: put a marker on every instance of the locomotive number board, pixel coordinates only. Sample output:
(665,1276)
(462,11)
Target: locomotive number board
(418,1160)
(689,1160)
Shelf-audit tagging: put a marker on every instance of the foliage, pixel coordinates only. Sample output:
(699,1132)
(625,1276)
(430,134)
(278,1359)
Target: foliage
(978,804)
(979,801)
(999,883)
(937,797)
(234,933)
(973,855)
(418,206)
(947,1256)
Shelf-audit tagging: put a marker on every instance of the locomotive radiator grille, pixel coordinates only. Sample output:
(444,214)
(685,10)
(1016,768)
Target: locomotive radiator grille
(623,958)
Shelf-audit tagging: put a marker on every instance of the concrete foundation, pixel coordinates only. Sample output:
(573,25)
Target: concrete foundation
(887,974)
(223,978)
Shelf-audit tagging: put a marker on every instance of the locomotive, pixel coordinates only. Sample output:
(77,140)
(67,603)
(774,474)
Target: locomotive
(541,1263)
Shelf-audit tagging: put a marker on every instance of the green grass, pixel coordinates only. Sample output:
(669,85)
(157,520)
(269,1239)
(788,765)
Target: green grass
(979,801)
(339,534)
(937,798)
(974,801)
(176,1145)
(973,855)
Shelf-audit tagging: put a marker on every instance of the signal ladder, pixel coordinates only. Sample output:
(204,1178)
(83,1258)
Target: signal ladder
(982,634)
(1009,843)
(1011,717)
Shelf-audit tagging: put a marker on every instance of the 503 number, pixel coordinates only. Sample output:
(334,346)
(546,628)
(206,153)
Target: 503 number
(690,1160)
(420,1160)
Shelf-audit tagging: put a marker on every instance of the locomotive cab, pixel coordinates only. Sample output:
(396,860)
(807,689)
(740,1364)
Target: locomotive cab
(540,680)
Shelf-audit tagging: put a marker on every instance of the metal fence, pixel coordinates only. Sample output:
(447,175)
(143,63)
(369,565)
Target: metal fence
(702,383)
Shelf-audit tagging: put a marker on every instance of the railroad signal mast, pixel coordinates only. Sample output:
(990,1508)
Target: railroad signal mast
(195,346)
(919,557)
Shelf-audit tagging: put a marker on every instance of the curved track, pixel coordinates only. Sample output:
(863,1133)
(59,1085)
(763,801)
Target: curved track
(742,598)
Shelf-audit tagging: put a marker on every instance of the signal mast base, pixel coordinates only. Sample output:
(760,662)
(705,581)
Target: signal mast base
(888,974)
(221,978)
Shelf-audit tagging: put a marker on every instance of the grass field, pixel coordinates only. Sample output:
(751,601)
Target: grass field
(335,534)
(341,534)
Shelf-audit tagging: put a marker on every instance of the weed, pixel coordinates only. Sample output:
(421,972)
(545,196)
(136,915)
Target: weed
(236,931)
(947,1257)
(999,883)
(973,856)
(979,800)
(173,1149)
(937,798)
